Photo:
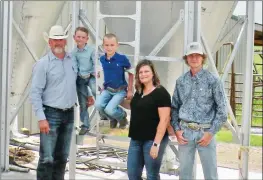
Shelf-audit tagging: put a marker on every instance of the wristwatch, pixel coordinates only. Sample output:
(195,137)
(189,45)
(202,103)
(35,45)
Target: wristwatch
(156,145)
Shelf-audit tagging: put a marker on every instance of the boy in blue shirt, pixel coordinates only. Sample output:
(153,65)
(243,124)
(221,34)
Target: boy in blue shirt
(83,64)
(115,85)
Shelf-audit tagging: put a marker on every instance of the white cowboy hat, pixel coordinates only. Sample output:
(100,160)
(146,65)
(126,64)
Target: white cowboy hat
(194,48)
(56,32)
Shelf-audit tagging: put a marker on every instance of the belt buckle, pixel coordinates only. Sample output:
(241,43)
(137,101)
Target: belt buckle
(85,77)
(111,89)
(193,126)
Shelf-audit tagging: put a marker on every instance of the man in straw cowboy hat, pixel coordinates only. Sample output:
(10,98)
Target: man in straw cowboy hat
(198,112)
(53,96)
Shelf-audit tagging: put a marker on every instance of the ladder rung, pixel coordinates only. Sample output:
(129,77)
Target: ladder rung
(134,16)
(131,43)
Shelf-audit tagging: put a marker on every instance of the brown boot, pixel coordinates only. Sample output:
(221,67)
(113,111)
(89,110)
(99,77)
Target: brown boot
(113,123)
(123,122)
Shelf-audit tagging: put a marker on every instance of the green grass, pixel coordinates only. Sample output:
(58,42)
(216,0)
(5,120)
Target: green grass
(114,132)
(256,121)
(226,136)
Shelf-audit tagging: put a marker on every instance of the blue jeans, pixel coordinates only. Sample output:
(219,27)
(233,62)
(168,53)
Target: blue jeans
(139,155)
(108,104)
(82,91)
(54,146)
(187,155)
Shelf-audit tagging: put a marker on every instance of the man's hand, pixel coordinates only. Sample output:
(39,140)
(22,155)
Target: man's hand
(90,101)
(179,135)
(129,95)
(44,126)
(206,139)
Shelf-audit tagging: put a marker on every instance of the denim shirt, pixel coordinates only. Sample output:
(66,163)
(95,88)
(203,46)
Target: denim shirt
(83,60)
(199,99)
(53,84)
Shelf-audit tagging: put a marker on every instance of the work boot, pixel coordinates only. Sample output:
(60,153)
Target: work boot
(123,122)
(83,130)
(113,123)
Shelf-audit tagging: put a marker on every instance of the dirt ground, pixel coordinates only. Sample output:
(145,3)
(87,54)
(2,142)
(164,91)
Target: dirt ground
(227,154)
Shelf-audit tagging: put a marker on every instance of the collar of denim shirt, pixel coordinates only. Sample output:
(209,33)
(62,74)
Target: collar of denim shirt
(198,74)
(53,57)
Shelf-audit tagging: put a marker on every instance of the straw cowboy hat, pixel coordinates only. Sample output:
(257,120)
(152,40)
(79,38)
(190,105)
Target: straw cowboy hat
(56,32)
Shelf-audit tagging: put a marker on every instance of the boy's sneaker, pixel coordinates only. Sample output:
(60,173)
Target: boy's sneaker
(113,123)
(83,130)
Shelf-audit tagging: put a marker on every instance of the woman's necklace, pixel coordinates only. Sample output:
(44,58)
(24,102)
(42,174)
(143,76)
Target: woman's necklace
(144,94)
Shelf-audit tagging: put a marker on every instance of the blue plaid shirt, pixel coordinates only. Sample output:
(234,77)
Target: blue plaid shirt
(199,99)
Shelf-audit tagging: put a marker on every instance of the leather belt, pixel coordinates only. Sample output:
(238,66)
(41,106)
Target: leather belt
(115,90)
(195,126)
(57,109)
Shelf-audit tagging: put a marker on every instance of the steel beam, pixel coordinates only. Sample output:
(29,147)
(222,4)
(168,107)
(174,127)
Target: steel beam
(227,36)
(219,39)
(233,54)
(73,146)
(235,129)
(1,86)
(5,68)
(25,41)
(168,35)
(247,99)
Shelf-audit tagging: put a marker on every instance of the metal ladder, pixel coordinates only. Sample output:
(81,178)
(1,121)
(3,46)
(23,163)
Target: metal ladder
(136,44)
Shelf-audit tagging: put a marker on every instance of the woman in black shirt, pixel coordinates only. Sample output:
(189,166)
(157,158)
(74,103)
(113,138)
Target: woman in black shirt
(150,116)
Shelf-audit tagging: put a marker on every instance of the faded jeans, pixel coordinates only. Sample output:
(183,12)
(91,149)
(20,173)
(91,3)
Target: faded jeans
(54,146)
(82,91)
(108,103)
(139,156)
(187,155)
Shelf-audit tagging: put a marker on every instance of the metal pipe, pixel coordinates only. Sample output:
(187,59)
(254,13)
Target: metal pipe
(233,54)
(6,34)
(18,169)
(235,130)
(73,147)
(1,86)
(247,99)
(97,39)
(137,32)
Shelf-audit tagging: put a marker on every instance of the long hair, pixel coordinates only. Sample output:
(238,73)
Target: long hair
(138,85)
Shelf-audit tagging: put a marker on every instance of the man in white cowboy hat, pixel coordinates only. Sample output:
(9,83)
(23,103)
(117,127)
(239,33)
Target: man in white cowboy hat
(53,96)
(198,113)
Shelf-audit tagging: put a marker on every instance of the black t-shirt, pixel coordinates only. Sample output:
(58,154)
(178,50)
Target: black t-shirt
(144,113)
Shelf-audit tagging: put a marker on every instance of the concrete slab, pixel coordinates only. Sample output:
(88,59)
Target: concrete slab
(224,173)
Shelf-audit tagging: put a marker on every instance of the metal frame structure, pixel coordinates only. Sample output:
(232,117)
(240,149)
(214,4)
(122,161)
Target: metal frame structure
(5,68)
(192,32)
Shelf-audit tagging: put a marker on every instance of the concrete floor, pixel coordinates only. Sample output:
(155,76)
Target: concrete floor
(224,173)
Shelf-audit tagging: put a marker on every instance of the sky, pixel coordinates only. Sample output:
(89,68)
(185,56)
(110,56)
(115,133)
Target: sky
(241,10)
